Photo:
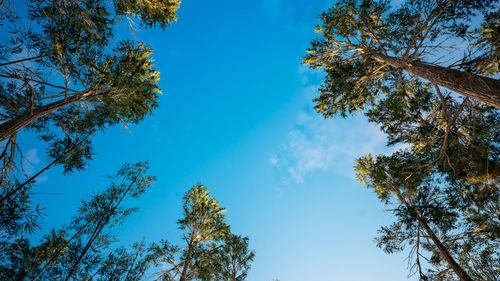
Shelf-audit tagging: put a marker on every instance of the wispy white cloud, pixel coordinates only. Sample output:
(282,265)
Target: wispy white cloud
(314,144)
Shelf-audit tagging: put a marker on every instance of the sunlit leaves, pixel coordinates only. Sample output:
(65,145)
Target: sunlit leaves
(150,12)
(366,47)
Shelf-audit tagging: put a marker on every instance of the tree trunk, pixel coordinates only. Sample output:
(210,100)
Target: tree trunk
(459,271)
(186,264)
(480,88)
(12,126)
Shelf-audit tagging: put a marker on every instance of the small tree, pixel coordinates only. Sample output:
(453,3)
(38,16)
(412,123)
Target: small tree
(204,226)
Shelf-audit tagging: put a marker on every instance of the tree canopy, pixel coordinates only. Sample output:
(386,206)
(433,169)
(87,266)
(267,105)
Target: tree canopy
(366,47)
(64,75)
(442,182)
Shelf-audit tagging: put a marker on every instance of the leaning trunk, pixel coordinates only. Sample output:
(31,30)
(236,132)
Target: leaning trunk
(17,123)
(459,271)
(480,88)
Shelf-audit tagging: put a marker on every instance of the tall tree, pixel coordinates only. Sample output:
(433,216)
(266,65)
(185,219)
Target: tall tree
(204,226)
(365,47)
(422,220)
(443,185)
(63,74)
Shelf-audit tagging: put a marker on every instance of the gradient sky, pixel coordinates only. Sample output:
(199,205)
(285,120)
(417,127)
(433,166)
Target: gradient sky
(236,114)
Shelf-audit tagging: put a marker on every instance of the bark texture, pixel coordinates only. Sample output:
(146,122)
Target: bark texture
(480,88)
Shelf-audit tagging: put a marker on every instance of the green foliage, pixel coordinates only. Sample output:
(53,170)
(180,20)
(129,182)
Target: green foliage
(17,214)
(485,50)
(365,44)
(352,81)
(447,176)
(231,261)
(203,219)
(123,264)
(210,250)
(160,12)
(81,250)
(65,77)
(204,226)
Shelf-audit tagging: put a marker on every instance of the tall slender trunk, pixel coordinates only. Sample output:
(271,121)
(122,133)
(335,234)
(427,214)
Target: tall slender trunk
(187,263)
(12,126)
(459,271)
(480,88)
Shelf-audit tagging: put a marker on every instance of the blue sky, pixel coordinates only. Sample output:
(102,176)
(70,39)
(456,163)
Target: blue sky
(236,114)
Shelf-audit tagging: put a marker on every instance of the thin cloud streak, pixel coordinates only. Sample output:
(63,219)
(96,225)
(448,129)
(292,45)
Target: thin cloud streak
(318,145)
(314,144)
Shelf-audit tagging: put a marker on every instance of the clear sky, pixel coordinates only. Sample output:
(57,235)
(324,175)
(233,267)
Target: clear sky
(236,114)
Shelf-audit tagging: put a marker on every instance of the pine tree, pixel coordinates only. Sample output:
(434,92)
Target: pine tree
(443,183)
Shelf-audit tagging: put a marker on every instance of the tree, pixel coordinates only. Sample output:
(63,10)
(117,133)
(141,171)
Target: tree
(231,262)
(417,210)
(431,218)
(78,251)
(443,185)
(82,250)
(365,48)
(65,77)
(204,226)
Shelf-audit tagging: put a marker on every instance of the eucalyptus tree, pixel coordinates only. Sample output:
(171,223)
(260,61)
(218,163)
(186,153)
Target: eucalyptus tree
(80,251)
(64,74)
(204,227)
(365,47)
